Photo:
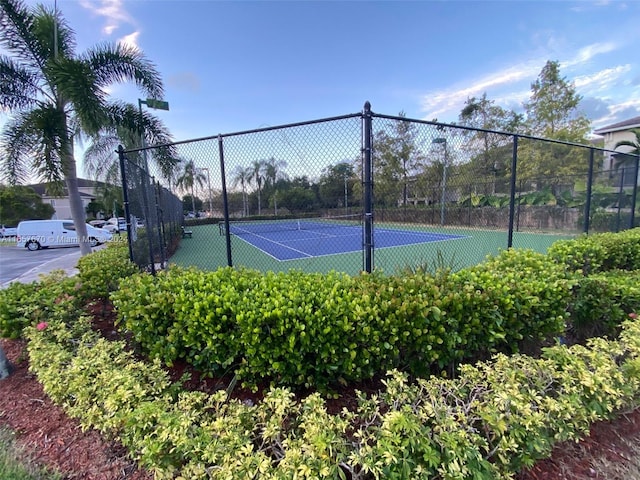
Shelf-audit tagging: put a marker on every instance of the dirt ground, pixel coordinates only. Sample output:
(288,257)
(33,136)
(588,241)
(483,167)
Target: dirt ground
(611,452)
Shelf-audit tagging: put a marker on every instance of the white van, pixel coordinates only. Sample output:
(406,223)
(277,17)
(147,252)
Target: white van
(36,234)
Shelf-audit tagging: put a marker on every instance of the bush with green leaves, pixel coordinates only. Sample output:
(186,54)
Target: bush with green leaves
(205,330)
(145,305)
(22,304)
(494,419)
(601,300)
(305,329)
(101,272)
(599,252)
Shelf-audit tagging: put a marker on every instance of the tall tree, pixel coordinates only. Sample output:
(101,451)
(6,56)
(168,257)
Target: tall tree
(242,176)
(258,174)
(54,94)
(191,176)
(484,149)
(553,112)
(336,185)
(274,172)
(397,158)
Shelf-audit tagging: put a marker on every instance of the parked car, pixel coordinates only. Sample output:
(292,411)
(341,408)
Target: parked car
(6,232)
(97,223)
(37,234)
(116,225)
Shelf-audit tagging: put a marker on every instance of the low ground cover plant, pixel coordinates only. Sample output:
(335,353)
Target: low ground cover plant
(495,418)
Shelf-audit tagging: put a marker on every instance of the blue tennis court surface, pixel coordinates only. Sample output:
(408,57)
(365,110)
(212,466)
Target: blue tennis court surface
(295,240)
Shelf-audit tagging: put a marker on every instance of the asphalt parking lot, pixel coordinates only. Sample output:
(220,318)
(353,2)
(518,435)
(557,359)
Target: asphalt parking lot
(19,264)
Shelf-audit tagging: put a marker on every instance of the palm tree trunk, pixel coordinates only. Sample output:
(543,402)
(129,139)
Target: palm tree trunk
(75,200)
(259,199)
(245,202)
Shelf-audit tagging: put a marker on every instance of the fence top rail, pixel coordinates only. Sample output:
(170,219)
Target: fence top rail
(246,132)
(438,125)
(441,125)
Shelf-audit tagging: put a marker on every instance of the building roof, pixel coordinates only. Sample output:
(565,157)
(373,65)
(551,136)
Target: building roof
(42,188)
(624,125)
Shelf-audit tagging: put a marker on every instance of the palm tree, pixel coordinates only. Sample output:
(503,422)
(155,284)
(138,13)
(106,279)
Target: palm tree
(54,94)
(190,176)
(126,130)
(242,176)
(627,160)
(257,174)
(272,173)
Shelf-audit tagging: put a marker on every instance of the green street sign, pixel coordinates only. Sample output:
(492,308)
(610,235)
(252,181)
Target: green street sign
(157,104)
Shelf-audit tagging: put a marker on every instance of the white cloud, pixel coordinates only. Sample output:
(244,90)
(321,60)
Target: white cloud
(130,40)
(452,99)
(113,11)
(601,80)
(585,54)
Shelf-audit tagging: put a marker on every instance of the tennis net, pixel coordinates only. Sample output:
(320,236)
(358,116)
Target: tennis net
(252,227)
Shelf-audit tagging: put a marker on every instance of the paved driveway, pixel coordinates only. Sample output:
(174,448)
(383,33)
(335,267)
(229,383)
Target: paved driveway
(19,264)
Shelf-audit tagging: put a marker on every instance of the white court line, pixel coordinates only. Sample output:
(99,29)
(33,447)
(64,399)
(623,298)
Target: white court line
(276,243)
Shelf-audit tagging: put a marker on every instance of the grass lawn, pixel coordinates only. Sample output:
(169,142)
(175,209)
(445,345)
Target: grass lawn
(16,465)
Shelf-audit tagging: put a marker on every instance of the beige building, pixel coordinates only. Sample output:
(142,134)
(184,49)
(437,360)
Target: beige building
(613,134)
(61,202)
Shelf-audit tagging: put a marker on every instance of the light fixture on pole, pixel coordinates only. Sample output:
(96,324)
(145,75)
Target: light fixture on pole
(156,105)
(443,141)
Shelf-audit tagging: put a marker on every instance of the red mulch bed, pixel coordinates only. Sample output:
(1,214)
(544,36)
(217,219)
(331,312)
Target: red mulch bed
(54,440)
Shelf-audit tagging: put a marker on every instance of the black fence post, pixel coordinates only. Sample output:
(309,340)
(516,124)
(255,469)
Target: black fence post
(634,194)
(125,198)
(368,189)
(163,255)
(225,202)
(512,200)
(145,181)
(587,204)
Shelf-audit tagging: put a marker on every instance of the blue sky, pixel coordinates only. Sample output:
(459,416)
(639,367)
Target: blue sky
(230,66)
(238,65)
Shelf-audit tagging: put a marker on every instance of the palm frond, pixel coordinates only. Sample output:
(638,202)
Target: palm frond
(31,143)
(76,84)
(123,128)
(49,22)
(18,85)
(118,63)
(16,23)
(100,156)
(28,34)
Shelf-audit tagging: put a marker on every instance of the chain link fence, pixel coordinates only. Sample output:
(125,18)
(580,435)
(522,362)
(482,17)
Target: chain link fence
(153,214)
(368,191)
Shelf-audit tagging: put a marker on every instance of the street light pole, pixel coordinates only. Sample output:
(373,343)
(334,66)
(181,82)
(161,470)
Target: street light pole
(156,105)
(444,177)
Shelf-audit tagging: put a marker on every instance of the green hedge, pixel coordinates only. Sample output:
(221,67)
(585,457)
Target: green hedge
(309,329)
(600,300)
(101,271)
(28,304)
(600,252)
